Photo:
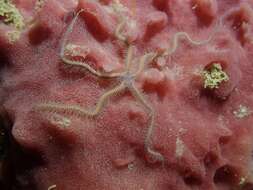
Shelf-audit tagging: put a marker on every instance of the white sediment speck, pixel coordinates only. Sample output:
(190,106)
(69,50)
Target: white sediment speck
(130,166)
(242,181)
(194,7)
(52,187)
(242,112)
(179,148)
(132,24)
(77,50)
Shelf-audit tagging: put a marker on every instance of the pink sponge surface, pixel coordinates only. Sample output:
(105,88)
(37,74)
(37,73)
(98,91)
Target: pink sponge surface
(109,95)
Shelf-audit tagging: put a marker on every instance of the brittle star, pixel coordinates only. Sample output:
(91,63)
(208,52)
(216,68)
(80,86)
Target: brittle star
(127,82)
(127,77)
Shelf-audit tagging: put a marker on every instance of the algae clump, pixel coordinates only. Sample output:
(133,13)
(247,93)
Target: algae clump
(11,14)
(214,76)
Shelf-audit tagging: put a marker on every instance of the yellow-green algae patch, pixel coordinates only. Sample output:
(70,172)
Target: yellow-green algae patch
(214,76)
(10,15)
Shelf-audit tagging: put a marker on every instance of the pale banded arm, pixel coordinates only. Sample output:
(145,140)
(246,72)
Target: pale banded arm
(79,63)
(137,94)
(57,107)
(185,35)
(145,59)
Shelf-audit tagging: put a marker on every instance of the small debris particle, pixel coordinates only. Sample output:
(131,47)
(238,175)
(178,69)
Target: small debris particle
(195,6)
(124,163)
(130,166)
(242,181)
(242,112)
(13,36)
(179,148)
(39,4)
(76,50)
(52,187)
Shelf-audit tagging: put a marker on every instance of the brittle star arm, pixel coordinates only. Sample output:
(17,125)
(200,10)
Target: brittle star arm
(79,63)
(179,35)
(118,31)
(145,59)
(57,107)
(129,58)
(122,22)
(137,94)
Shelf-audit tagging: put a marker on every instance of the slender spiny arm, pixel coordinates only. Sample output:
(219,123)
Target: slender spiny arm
(122,21)
(67,33)
(57,107)
(145,59)
(185,35)
(129,57)
(179,35)
(90,69)
(137,94)
(79,63)
(118,31)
